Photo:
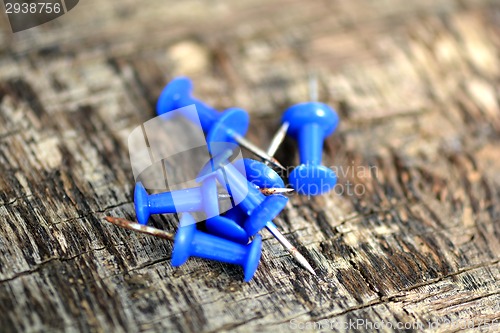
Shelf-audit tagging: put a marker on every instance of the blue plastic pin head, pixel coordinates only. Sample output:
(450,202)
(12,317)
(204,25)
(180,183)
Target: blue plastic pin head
(245,194)
(310,123)
(196,199)
(141,203)
(259,173)
(215,224)
(174,95)
(218,126)
(191,242)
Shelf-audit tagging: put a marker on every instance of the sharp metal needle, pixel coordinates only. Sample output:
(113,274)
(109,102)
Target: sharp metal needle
(281,133)
(144,229)
(290,248)
(140,228)
(256,150)
(263,190)
(271,227)
(278,139)
(275,190)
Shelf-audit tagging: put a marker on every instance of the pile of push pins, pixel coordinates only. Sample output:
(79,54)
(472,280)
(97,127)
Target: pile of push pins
(233,237)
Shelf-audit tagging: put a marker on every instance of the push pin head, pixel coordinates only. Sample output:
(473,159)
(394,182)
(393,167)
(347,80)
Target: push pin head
(219,126)
(310,123)
(245,193)
(203,198)
(259,173)
(232,121)
(141,204)
(191,242)
(303,114)
(173,94)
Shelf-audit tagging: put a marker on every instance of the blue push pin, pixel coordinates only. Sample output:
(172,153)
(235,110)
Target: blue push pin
(185,200)
(228,126)
(191,242)
(310,123)
(261,210)
(258,174)
(203,198)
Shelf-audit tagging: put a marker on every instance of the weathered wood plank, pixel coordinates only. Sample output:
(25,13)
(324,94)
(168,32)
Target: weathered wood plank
(416,85)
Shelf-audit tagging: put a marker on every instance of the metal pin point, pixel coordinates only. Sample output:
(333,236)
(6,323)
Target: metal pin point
(144,229)
(281,133)
(271,227)
(256,150)
(278,139)
(265,191)
(274,190)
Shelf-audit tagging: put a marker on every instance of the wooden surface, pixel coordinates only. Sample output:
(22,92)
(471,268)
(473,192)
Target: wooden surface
(416,84)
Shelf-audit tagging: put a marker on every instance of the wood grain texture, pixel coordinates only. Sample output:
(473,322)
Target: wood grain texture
(416,85)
